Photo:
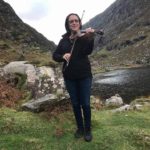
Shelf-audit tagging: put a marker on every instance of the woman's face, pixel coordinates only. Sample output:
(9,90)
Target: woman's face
(74,23)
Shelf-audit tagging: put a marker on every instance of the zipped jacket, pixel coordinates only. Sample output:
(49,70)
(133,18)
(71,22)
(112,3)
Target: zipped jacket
(79,66)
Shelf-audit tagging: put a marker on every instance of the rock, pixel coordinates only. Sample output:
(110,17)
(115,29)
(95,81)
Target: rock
(128,107)
(141,101)
(40,81)
(114,101)
(37,105)
(23,68)
(16,67)
(123,108)
(47,71)
(137,107)
(59,92)
(43,103)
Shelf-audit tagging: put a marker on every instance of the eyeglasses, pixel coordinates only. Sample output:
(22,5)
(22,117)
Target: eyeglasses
(72,21)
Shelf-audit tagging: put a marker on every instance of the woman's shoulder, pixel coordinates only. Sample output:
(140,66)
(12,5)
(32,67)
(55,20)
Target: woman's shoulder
(64,36)
(63,40)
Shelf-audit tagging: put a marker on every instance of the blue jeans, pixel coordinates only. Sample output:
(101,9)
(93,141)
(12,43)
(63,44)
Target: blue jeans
(80,91)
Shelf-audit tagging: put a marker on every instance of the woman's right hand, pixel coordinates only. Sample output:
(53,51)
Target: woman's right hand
(67,56)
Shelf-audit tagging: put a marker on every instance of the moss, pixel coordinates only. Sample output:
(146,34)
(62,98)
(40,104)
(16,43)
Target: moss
(21,80)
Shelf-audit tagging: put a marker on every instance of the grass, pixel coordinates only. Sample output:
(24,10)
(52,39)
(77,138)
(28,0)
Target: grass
(111,131)
(15,52)
(102,54)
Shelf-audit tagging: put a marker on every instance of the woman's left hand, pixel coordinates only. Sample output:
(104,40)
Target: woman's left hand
(87,33)
(89,30)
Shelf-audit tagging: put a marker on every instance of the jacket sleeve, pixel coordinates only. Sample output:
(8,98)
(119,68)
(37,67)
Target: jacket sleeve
(58,53)
(88,45)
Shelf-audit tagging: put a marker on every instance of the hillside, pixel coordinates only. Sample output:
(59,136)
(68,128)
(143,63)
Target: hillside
(126,26)
(17,39)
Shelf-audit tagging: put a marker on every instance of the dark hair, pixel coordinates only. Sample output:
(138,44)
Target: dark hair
(67,23)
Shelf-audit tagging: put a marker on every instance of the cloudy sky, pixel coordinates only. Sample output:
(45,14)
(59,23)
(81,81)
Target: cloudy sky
(48,16)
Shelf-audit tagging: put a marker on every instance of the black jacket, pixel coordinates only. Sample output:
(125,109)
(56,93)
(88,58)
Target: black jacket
(79,66)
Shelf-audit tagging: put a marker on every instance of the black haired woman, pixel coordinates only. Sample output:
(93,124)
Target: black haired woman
(73,49)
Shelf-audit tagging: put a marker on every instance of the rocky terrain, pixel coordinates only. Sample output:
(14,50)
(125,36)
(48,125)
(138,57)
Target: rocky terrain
(125,43)
(37,87)
(126,40)
(20,42)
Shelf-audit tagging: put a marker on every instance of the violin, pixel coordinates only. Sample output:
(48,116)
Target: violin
(99,32)
(89,32)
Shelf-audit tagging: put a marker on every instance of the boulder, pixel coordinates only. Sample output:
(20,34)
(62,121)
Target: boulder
(23,68)
(37,105)
(114,101)
(40,80)
(43,103)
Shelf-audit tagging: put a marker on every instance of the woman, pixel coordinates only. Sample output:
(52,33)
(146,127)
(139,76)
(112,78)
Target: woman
(73,49)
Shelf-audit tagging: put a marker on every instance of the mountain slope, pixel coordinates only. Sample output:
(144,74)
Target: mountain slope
(19,41)
(13,28)
(126,25)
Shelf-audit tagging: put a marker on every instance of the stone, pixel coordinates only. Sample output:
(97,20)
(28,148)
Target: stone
(137,107)
(114,101)
(122,108)
(23,68)
(37,105)
(43,103)
(47,71)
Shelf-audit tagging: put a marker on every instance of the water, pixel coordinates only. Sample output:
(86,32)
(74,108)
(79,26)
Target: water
(129,83)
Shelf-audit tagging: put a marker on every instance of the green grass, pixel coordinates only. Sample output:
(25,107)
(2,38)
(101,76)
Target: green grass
(111,131)
(16,52)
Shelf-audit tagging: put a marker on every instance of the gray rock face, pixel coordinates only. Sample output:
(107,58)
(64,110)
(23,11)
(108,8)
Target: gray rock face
(114,101)
(120,16)
(40,80)
(23,68)
(40,104)
(46,87)
(126,26)
(43,103)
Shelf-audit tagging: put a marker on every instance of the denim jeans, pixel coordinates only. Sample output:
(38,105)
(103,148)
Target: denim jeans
(80,91)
